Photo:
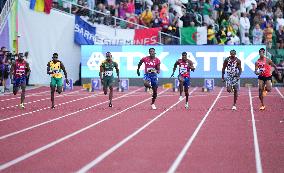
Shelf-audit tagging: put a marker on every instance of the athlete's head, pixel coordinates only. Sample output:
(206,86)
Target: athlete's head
(152,52)
(184,56)
(233,53)
(261,52)
(20,56)
(108,56)
(55,57)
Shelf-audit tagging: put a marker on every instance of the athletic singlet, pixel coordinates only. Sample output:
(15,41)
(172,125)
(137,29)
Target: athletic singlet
(264,68)
(55,67)
(184,70)
(20,69)
(108,67)
(150,64)
(232,67)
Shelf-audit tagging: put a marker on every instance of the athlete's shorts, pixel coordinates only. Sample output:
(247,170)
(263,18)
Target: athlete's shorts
(152,78)
(186,81)
(56,82)
(108,81)
(264,79)
(232,81)
(19,81)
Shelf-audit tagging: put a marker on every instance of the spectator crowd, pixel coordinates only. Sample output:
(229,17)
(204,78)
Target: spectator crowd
(230,22)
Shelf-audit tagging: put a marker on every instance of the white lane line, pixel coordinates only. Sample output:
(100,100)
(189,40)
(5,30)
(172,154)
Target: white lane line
(93,163)
(178,160)
(255,140)
(41,109)
(62,95)
(279,92)
(34,94)
(49,145)
(58,118)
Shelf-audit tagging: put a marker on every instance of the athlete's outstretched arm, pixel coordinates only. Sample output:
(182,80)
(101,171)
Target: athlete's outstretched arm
(174,69)
(117,71)
(239,66)
(191,67)
(48,69)
(139,65)
(224,67)
(101,72)
(273,65)
(158,68)
(256,69)
(64,70)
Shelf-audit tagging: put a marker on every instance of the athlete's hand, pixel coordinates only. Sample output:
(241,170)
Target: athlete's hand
(102,81)
(118,80)
(223,80)
(67,81)
(50,72)
(238,77)
(138,72)
(193,69)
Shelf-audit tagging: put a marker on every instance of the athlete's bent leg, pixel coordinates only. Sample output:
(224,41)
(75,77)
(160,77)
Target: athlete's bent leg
(181,80)
(52,91)
(235,94)
(147,84)
(110,96)
(155,94)
(59,89)
(260,91)
(23,94)
(268,85)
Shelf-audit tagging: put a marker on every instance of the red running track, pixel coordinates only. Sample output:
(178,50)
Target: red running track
(87,135)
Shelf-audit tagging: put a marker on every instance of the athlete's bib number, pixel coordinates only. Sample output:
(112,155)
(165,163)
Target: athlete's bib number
(261,69)
(183,70)
(151,70)
(56,71)
(108,73)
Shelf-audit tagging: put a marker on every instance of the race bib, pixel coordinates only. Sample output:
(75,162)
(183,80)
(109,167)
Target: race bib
(108,73)
(151,70)
(56,71)
(183,70)
(261,69)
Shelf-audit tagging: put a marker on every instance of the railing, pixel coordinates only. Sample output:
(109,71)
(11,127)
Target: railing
(164,38)
(4,14)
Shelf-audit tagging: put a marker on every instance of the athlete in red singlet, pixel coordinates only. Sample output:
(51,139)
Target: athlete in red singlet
(185,65)
(20,69)
(152,68)
(263,70)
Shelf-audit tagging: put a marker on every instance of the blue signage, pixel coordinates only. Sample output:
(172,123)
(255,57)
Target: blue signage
(209,84)
(96,84)
(208,60)
(124,84)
